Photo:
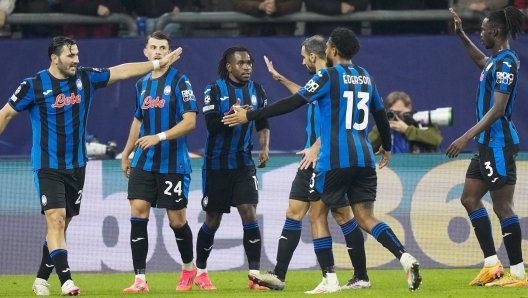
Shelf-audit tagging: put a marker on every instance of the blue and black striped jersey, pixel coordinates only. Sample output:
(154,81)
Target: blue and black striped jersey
(499,75)
(313,125)
(59,113)
(160,105)
(231,148)
(346,94)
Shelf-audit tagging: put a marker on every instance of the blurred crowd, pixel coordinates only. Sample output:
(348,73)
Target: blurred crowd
(147,13)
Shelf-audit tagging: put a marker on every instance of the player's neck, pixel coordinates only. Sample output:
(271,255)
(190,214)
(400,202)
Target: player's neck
(56,73)
(158,73)
(342,61)
(501,47)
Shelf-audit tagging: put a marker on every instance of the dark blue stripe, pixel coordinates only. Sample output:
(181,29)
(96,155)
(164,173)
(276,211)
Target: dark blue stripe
(349,226)
(250,226)
(378,229)
(479,213)
(292,224)
(207,230)
(138,219)
(509,221)
(58,251)
(322,243)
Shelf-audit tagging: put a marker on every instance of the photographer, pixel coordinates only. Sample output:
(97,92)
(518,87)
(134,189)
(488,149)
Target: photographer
(407,136)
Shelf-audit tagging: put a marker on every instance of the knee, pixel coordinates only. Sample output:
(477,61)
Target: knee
(177,223)
(341,218)
(212,220)
(57,222)
(248,213)
(469,202)
(295,214)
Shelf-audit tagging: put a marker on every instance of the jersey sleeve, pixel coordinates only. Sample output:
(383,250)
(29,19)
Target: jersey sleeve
(185,96)
(98,76)
(376,103)
(139,111)
(263,98)
(23,98)
(211,100)
(317,87)
(505,75)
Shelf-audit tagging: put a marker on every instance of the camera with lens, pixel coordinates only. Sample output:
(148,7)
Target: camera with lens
(440,117)
(97,150)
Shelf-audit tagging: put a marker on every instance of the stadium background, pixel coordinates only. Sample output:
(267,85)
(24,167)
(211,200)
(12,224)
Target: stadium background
(418,195)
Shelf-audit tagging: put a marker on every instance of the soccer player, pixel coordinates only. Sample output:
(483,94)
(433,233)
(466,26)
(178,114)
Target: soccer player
(346,94)
(314,58)
(58,100)
(161,170)
(229,176)
(493,167)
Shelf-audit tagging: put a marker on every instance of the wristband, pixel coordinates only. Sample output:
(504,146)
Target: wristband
(156,64)
(162,136)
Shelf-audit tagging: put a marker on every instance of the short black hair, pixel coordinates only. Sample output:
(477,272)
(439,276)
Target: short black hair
(315,44)
(158,35)
(345,41)
(227,55)
(56,44)
(508,20)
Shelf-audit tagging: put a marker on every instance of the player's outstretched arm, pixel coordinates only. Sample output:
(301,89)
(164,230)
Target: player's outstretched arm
(280,78)
(133,135)
(500,102)
(6,114)
(186,125)
(474,53)
(130,70)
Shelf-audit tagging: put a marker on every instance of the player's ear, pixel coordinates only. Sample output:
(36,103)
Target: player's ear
(228,67)
(313,57)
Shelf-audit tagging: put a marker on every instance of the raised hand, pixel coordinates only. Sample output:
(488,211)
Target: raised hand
(457,20)
(170,58)
(274,74)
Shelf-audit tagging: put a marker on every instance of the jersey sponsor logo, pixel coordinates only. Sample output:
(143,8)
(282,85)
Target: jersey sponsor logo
(187,95)
(504,78)
(47,92)
(208,108)
(253,100)
(167,90)
(79,84)
(348,79)
(44,200)
(311,86)
(61,100)
(507,64)
(207,99)
(224,98)
(149,103)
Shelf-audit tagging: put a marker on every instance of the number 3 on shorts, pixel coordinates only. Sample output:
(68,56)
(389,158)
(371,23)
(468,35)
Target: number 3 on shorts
(488,167)
(312,181)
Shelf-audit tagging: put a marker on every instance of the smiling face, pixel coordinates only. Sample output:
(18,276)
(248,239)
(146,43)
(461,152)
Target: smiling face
(240,67)
(66,62)
(156,49)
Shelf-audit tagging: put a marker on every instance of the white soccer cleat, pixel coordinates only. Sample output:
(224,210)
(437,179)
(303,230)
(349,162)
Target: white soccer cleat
(69,289)
(412,270)
(41,287)
(324,288)
(356,283)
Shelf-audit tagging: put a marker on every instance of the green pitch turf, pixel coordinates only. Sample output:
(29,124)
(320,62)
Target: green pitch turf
(385,283)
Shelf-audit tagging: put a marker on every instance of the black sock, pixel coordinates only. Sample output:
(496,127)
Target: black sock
(355,247)
(46,264)
(60,260)
(511,233)
(288,241)
(384,234)
(185,242)
(204,245)
(252,244)
(324,253)
(482,227)
(139,243)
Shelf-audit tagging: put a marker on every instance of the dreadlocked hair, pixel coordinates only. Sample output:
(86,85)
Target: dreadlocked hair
(509,19)
(227,55)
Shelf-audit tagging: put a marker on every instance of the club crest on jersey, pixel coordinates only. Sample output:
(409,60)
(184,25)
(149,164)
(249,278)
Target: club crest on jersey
(167,90)
(79,84)
(187,95)
(253,100)
(205,201)
(44,200)
(311,86)
(207,99)
(61,100)
(149,103)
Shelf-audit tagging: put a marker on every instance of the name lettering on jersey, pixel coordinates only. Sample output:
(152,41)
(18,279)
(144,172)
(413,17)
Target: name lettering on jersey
(504,78)
(348,79)
(149,103)
(311,86)
(61,100)
(187,95)
(167,90)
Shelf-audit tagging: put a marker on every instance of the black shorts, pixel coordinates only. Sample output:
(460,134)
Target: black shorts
(169,191)
(300,189)
(223,189)
(60,189)
(358,183)
(496,166)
